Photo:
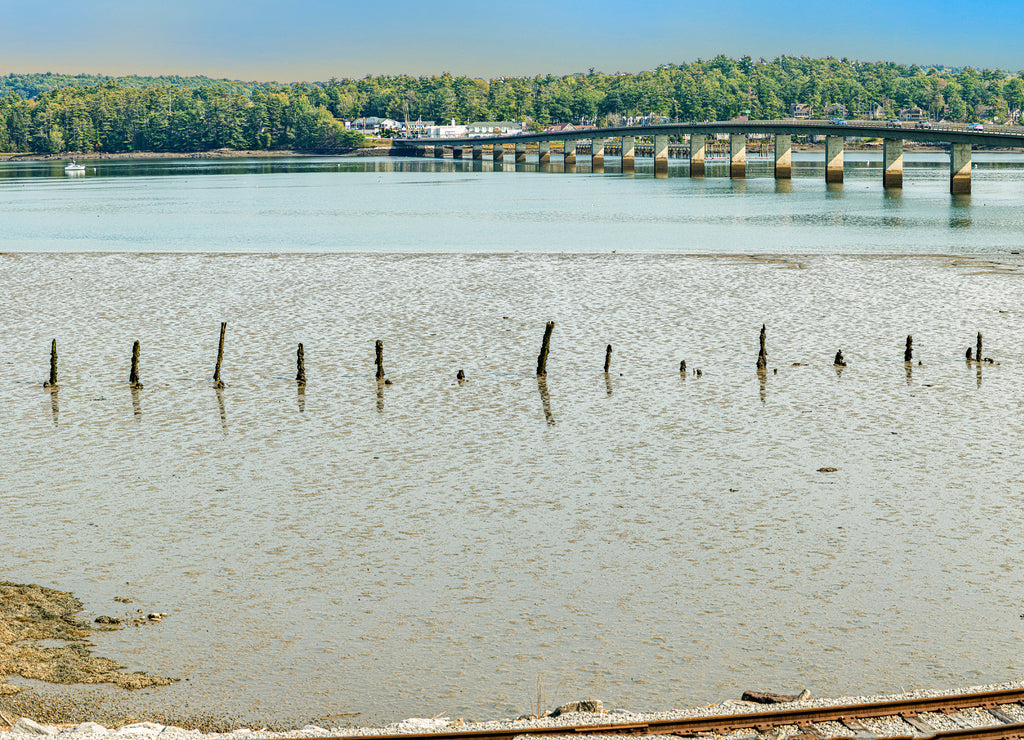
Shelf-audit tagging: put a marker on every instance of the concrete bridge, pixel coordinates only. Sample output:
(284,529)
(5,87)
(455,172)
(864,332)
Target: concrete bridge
(959,138)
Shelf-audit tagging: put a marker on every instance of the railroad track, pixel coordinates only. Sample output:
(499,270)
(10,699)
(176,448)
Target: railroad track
(992,715)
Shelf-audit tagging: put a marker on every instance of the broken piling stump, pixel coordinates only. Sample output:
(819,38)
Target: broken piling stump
(460,375)
(542,358)
(300,365)
(977,352)
(908,353)
(839,361)
(682,367)
(762,355)
(217,382)
(969,354)
(607,358)
(378,350)
(133,376)
(52,382)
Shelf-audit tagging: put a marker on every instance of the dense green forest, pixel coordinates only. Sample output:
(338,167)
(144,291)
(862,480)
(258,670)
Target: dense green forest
(53,113)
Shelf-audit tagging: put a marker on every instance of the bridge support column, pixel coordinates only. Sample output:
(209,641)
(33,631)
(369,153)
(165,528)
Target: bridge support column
(892,158)
(498,153)
(457,151)
(698,143)
(478,151)
(834,158)
(569,149)
(738,155)
(597,154)
(628,153)
(959,168)
(660,154)
(543,152)
(783,156)
(520,152)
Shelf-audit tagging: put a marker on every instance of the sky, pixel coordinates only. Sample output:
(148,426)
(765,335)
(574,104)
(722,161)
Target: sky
(312,40)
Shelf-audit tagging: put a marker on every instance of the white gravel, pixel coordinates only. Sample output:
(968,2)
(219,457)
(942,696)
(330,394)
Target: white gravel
(28,730)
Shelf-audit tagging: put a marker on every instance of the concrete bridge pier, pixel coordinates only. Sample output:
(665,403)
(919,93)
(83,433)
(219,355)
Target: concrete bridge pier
(783,156)
(569,149)
(438,151)
(478,151)
(520,152)
(498,153)
(892,159)
(597,154)
(698,144)
(628,153)
(738,156)
(834,158)
(660,155)
(543,152)
(959,169)
(458,151)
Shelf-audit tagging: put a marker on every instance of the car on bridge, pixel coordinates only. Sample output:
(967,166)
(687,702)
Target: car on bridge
(894,123)
(976,127)
(837,121)
(923,124)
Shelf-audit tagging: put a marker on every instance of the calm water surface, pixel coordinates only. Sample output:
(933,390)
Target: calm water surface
(432,547)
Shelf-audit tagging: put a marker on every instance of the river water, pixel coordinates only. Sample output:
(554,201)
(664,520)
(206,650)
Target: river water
(359,552)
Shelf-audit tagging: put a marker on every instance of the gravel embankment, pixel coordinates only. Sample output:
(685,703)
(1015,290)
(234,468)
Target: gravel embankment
(24,730)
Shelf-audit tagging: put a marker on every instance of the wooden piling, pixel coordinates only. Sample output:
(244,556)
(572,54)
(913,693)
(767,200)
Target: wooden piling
(460,375)
(300,365)
(977,352)
(908,353)
(52,382)
(607,358)
(682,367)
(379,352)
(762,355)
(217,382)
(542,358)
(969,354)
(133,376)
(839,361)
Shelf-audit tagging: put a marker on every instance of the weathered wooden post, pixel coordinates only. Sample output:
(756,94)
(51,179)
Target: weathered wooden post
(762,355)
(969,354)
(460,376)
(52,382)
(682,367)
(133,376)
(379,352)
(607,358)
(542,358)
(217,382)
(300,363)
(839,361)
(908,353)
(977,352)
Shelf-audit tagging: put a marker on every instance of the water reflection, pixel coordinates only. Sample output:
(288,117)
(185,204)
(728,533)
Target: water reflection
(960,213)
(762,382)
(136,403)
(608,383)
(784,186)
(834,190)
(545,399)
(300,393)
(380,395)
(223,411)
(909,370)
(977,374)
(54,405)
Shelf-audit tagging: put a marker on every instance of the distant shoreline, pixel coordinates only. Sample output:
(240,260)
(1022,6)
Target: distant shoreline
(212,154)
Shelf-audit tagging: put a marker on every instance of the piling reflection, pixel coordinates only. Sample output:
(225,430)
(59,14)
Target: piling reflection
(977,373)
(54,405)
(608,383)
(545,399)
(300,394)
(136,403)
(380,395)
(784,186)
(762,382)
(960,211)
(909,369)
(223,411)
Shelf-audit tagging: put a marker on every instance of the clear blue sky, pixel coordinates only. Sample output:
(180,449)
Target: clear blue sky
(318,39)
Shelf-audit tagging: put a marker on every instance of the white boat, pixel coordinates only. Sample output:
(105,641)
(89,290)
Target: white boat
(74,167)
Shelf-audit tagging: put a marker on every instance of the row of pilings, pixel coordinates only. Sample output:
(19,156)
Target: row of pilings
(973,354)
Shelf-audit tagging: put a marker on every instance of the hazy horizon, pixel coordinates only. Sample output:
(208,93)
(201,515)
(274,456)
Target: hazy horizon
(317,39)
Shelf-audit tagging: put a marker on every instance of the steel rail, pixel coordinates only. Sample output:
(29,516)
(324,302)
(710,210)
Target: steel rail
(754,720)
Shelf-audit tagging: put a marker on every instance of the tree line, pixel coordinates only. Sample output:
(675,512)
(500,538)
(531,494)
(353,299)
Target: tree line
(54,113)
